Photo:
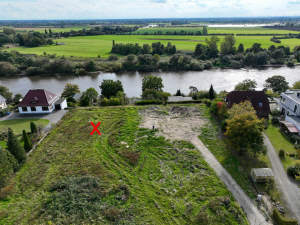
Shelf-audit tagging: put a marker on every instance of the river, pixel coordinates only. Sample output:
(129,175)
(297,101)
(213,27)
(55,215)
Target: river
(221,80)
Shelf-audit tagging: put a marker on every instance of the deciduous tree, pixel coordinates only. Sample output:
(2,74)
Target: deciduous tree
(277,84)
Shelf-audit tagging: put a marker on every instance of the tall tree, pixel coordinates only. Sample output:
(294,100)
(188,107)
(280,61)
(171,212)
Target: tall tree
(244,130)
(110,88)
(70,90)
(152,83)
(246,85)
(14,147)
(204,30)
(227,46)
(33,128)
(4,91)
(296,85)
(89,97)
(211,93)
(212,44)
(277,84)
(27,141)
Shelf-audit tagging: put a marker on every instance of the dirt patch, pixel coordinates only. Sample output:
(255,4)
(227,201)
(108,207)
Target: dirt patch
(173,122)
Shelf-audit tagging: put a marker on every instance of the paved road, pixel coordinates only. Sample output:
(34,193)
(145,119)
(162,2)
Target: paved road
(255,217)
(290,190)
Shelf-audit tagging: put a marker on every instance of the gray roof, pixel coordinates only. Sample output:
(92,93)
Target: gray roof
(179,99)
(2,99)
(293,94)
(262,172)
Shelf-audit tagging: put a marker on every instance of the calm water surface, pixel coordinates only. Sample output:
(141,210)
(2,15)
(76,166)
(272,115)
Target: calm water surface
(221,80)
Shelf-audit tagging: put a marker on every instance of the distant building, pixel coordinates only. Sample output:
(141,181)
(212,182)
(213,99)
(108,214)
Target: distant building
(258,100)
(290,108)
(40,101)
(2,102)
(179,99)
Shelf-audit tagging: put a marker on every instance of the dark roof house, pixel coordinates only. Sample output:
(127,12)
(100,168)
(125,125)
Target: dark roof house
(38,97)
(258,100)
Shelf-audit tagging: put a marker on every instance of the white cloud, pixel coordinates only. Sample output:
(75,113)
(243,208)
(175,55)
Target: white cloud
(107,9)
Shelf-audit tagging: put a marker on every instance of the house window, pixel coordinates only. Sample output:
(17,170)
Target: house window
(283,99)
(33,109)
(24,109)
(260,104)
(45,108)
(295,109)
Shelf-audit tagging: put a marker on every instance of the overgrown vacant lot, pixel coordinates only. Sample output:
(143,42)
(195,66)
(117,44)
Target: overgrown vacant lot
(128,175)
(92,46)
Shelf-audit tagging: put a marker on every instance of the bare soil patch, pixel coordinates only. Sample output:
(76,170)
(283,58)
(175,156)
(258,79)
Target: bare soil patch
(173,122)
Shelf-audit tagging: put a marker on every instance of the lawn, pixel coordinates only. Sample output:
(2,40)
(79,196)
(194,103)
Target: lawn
(238,166)
(93,46)
(143,178)
(215,30)
(18,125)
(279,141)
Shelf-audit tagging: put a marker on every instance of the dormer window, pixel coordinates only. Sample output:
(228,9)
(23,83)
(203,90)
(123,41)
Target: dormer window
(298,94)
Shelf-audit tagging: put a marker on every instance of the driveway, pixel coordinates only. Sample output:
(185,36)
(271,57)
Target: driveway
(289,189)
(53,118)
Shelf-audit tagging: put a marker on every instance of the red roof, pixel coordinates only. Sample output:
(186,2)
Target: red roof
(258,100)
(38,97)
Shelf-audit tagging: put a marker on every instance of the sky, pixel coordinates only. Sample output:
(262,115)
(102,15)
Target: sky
(125,9)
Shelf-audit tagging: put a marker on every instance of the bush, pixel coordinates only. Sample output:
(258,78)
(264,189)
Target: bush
(275,121)
(110,102)
(292,171)
(281,153)
(113,58)
(149,102)
(281,220)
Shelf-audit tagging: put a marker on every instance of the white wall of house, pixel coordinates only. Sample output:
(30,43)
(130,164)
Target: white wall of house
(3,105)
(39,110)
(289,104)
(64,104)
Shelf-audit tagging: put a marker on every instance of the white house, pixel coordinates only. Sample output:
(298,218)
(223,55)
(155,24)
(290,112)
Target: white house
(290,107)
(40,101)
(2,102)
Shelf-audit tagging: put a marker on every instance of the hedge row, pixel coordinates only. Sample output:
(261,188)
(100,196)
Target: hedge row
(281,220)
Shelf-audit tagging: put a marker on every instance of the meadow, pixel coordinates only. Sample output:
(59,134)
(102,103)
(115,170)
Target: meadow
(94,46)
(128,175)
(215,30)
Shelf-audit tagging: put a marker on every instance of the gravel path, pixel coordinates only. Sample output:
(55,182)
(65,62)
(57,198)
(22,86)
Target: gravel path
(253,214)
(290,190)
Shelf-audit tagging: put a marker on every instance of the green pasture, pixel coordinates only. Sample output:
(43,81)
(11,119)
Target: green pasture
(92,46)
(18,125)
(216,30)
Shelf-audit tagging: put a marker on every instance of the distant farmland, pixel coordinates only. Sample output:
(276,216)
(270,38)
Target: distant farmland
(92,46)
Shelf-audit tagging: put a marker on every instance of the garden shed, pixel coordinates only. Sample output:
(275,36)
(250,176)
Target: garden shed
(261,174)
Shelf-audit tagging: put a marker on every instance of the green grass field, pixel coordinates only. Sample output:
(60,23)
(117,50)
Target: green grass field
(18,125)
(281,142)
(218,30)
(92,46)
(138,178)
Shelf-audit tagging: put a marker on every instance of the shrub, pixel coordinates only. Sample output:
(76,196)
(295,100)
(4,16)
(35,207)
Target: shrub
(113,58)
(281,220)
(112,214)
(110,102)
(281,154)
(292,171)
(275,121)
(149,102)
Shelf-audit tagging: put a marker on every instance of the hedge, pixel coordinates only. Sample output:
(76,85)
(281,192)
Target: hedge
(149,102)
(281,220)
